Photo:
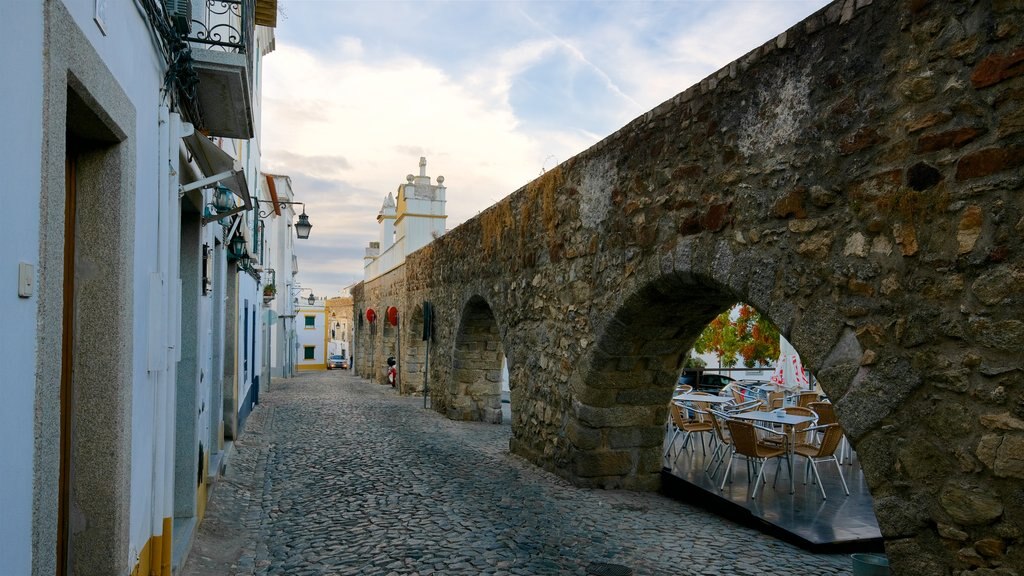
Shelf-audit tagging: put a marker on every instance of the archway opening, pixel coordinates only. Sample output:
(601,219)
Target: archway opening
(475,389)
(621,433)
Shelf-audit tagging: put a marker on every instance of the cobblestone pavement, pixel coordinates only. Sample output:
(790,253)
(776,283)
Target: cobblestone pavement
(335,476)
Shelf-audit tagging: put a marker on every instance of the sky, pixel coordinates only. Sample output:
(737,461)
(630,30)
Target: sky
(491,93)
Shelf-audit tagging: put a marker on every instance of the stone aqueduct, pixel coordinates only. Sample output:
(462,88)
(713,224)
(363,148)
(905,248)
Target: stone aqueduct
(858,179)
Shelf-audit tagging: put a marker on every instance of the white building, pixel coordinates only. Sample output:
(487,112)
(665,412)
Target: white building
(280,266)
(408,224)
(132,341)
(311,328)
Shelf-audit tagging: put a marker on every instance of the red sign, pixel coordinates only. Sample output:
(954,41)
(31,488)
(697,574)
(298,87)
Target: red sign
(371,316)
(393,316)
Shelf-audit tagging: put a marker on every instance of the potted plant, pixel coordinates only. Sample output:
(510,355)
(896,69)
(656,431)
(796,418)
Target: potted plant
(269,291)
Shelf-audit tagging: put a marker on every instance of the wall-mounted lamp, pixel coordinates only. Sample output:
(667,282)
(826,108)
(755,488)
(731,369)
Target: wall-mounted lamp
(302,227)
(312,298)
(222,199)
(237,246)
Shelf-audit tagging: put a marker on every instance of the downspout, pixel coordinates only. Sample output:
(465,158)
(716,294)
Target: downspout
(159,277)
(177,130)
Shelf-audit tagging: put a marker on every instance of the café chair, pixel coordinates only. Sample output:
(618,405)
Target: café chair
(746,443)
(724,445)
(822,450)
(826,412)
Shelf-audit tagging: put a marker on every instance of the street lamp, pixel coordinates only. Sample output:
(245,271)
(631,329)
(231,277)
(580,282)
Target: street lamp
(303,226)
(312,298)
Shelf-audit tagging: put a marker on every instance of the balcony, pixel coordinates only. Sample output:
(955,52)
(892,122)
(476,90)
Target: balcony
(221,38)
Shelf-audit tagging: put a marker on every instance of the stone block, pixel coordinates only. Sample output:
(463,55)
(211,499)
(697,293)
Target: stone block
(970,505)
(602,463)
(583,437)
(643,396)
(988,161)
(995,68)
(615,416)
(640,437)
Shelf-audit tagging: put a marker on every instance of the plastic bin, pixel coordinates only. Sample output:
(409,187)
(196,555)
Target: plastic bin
(870,565)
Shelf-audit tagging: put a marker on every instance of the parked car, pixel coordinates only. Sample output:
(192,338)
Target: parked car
(336,361)
(703,382)
(750,388)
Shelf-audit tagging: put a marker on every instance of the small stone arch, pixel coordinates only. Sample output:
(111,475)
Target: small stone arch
(475,386)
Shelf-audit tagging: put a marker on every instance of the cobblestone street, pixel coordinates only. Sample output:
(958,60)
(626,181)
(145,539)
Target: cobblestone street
(335,475)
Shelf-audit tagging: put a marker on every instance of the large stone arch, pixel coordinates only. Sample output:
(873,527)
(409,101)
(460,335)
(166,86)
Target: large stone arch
(857,179)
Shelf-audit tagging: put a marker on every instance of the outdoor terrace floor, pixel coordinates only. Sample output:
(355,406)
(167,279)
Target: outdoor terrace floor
(839,523)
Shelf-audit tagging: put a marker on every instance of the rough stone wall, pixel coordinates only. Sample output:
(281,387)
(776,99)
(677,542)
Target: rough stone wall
(375,342)
(857,179)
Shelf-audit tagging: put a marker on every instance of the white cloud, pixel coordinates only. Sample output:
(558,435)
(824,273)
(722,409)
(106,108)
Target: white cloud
(491,93)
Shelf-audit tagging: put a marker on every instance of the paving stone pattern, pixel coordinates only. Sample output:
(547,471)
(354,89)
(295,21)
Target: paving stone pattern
(336,475)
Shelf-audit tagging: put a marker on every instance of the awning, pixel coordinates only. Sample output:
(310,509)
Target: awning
(219,167)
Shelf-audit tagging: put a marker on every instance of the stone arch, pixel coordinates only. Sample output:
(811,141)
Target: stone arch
(621,390)
(475,386)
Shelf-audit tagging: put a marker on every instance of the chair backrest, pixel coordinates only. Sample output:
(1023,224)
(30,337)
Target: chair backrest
(684,389)
(748,406)
(744,438)
(826,412)
(806,398)
(799,434)
(800,411)
(718,420)
(739,393)
(678,417)
(700,408)
(776,400)
(829,441)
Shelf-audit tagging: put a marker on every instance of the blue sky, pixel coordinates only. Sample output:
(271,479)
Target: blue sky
(492,93)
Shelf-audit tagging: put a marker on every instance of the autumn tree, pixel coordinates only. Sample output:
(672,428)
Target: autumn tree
(740,332)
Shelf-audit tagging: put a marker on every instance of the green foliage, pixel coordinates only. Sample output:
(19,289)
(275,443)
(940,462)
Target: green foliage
(750,336)
(694,362)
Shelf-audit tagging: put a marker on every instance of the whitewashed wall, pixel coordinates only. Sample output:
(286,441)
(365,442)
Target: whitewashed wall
(21,24)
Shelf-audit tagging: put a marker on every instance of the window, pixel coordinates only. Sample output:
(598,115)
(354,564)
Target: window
(309,352)
(310,321)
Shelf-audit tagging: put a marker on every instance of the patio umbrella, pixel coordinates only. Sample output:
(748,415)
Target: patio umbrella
(789,371)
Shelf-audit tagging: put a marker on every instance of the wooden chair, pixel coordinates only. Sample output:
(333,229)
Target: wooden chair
(746,443)
(823,450)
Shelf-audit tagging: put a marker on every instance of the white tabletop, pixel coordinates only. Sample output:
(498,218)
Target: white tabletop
(780,417)
(701,398)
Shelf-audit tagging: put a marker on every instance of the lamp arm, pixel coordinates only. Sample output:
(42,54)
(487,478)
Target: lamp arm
(279,203)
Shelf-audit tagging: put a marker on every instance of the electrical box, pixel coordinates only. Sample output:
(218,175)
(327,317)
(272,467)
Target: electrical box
(26,279)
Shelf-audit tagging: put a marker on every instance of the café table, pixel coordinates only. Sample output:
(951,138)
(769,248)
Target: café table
(789,423)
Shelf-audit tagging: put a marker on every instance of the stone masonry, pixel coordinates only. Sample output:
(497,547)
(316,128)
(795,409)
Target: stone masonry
(858,180)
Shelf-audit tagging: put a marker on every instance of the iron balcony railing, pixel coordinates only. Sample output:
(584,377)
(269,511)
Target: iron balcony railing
(226,25)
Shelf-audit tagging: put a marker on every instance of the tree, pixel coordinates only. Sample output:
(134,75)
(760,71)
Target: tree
(740,332)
